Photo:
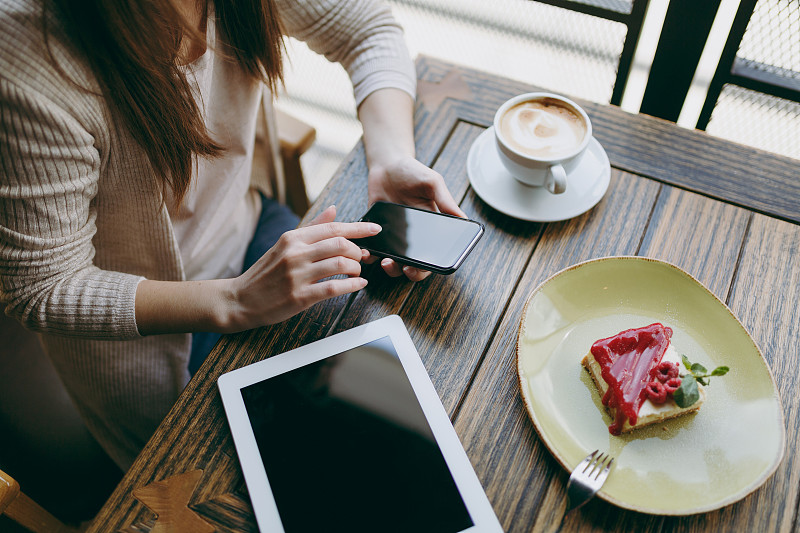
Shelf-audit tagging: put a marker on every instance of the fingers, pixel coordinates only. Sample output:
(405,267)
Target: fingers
(331,289)
(396,270)
(337,246)
(415,274)
(433,192)
(391,268)
(444,200)
(327,215)
(329,230)
(321,259)
(407,181)
(334,266)
(432,188)
(367,258)
(331,237)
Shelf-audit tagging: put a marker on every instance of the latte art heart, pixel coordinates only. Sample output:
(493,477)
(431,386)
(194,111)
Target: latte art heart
(542,128)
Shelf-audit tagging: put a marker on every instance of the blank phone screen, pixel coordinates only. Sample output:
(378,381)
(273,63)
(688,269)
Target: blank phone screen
(347,448)
(419,235)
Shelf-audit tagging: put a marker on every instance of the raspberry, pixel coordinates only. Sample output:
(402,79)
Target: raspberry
(666,370)
(671,385)
(656,392)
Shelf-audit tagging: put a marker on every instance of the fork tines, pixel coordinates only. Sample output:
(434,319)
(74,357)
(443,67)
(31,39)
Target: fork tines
(587,478)
(602,465)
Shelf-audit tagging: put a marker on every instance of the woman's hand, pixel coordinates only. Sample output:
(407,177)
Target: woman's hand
(283,282)
(395,175)
(286,279)
(407,181)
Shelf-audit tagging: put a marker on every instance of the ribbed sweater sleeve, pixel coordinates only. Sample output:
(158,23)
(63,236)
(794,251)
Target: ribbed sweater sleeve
(362,35)
(49,172)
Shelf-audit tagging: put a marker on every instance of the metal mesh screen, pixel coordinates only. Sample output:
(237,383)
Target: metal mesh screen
(771,44)
(620,6)
(772,39)
(758,120)
(560,50)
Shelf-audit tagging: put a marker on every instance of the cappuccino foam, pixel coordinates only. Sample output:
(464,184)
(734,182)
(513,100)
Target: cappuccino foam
(542,128)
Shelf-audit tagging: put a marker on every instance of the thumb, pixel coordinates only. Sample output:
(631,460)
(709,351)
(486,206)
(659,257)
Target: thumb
(446,203)
(327,215)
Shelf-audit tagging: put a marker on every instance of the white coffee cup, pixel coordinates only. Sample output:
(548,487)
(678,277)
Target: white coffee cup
(541,137)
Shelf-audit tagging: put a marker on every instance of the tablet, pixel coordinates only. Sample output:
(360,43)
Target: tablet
(347,434)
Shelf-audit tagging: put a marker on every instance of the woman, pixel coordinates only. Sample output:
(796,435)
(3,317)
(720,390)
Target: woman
(126,208)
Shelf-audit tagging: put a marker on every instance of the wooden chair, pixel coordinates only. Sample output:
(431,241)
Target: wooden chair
(276,165)
(21,509)
(44,443)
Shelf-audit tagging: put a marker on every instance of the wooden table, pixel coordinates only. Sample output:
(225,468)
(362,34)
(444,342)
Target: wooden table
(727,214)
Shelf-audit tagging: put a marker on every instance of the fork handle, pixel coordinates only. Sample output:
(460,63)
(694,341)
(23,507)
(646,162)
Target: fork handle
(577,495)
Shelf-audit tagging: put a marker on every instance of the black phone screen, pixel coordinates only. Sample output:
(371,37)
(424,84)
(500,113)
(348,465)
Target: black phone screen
(433,241)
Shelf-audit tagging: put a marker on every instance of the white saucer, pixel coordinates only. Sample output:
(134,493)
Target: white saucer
(586,184)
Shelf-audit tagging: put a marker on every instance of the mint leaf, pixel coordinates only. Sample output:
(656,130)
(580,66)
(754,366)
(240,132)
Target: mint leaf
(687,394)
(720,371)
(700,373)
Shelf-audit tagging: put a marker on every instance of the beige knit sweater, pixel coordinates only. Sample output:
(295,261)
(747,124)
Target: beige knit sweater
(81,222)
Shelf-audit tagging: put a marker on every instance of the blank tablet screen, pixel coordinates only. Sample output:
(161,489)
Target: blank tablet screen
(346,447)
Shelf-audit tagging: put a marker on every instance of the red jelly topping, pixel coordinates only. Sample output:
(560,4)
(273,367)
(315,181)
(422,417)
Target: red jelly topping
(628,362)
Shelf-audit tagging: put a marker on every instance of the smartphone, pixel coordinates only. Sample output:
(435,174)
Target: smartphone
(419,238)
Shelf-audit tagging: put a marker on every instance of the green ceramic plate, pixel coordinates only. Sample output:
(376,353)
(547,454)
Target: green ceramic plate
(688,465)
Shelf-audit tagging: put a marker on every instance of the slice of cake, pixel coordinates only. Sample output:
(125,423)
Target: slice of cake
(636,371)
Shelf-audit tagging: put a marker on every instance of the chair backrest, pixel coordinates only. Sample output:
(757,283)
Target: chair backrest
(280,141)
(26,512)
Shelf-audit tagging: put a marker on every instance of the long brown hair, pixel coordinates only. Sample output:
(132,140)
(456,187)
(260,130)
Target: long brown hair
(132,47)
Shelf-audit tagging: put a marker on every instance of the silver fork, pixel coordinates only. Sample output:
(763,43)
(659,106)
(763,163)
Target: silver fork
(587,478)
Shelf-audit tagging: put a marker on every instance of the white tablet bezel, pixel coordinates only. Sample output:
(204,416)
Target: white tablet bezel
(231,384)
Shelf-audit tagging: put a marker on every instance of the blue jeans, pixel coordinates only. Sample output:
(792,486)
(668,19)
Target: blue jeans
(275,220)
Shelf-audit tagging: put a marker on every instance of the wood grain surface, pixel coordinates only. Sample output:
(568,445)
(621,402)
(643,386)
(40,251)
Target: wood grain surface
(766,299)
(725,213)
